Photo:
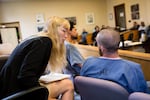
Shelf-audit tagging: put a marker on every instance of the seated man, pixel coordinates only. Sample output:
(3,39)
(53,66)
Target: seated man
(94,34)
(135,26)
(74,58)
(111,67)
(73,34)
(83,37)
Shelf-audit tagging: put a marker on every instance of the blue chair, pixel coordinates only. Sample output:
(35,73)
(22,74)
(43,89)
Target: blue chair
(35,93)
(98,89)
(139,96)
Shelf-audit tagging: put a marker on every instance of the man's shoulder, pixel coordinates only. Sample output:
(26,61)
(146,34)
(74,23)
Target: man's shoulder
(130,62)
(92,59)
(68,45)
(132,65)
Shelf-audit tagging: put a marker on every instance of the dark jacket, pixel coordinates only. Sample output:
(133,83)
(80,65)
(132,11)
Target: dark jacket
(25,65)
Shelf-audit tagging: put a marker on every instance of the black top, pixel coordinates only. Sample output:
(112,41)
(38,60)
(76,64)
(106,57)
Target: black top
(94,35)
(25,65)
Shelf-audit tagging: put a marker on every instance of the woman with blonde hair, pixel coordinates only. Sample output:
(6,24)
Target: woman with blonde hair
(29,59)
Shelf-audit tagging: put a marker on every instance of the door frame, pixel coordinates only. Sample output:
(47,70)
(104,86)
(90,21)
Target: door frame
(116,18)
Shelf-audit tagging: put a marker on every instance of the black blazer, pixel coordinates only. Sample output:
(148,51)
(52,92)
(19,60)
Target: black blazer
(25,65)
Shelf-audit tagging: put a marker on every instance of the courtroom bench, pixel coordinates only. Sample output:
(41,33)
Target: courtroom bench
(134,33)
(88,38)
(139,57)
(125,34)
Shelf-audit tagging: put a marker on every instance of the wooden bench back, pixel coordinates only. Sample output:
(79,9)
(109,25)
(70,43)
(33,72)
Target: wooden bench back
(127,33)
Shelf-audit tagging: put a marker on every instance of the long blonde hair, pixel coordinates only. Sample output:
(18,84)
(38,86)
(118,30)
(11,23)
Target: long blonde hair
(57,58)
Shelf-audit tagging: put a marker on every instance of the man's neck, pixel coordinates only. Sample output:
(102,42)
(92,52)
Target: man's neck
(71,41)
(111,55)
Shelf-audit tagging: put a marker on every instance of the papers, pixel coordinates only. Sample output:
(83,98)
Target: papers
(129,43)
(53,77)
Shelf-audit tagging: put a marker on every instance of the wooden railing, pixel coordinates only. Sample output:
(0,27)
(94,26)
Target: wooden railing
(129,32)
(125,35)
(88,38)
(141,58)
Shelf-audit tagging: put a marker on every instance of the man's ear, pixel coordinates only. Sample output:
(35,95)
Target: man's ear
(102,48)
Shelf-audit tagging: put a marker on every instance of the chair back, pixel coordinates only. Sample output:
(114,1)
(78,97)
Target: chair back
(139,96)
(98,89)
(35,93)
(3,59)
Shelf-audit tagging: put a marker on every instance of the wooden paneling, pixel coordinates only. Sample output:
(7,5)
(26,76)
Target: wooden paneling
(127,33)
(88,38)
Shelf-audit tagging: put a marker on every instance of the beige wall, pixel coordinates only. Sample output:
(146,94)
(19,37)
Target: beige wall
(144,8)
(25,12)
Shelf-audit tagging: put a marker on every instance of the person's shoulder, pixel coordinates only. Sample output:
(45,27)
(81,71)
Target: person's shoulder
(43,40)
(68,45)
(92,59)
(131,63)
(94,32)
(40,40)
(36,38)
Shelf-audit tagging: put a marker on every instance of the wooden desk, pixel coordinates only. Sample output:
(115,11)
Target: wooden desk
(132,46)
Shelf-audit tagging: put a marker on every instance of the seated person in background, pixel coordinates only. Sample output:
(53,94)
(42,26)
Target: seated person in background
(142,29)
(83,39)
(29,59)
(148,31)
(135,26)
(142,26)
(74,58)
(73,37)
(146,44)
(103,27)
(111,67)
(97,29)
